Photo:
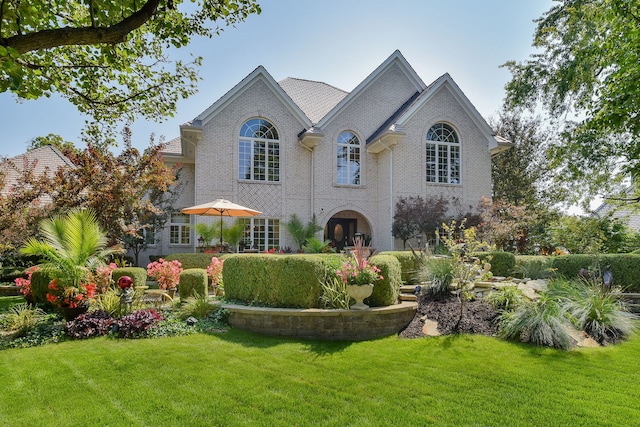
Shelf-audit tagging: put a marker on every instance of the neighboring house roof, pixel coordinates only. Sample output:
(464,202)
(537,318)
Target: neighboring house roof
(174,146)
(316,99)
(629,215)
(45,159)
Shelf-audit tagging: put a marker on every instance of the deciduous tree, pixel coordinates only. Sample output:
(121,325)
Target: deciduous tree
(108,57)
(586,69)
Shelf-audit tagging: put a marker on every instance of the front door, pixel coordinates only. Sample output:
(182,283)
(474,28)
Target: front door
(340,231)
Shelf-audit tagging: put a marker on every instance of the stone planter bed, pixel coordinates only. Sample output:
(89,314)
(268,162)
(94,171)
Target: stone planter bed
(343,325)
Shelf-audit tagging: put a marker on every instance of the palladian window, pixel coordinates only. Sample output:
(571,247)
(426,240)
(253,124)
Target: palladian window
(348,156)
(443,155)
(259,157)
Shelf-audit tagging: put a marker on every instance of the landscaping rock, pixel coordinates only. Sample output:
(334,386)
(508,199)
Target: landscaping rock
(430,327)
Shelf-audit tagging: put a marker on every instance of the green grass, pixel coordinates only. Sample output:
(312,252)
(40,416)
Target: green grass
(239,378)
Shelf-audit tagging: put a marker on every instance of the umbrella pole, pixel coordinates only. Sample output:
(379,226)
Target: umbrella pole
(220,230)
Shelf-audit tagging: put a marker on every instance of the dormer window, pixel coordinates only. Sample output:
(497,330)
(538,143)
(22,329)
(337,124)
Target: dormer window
(443,155)
(348,159)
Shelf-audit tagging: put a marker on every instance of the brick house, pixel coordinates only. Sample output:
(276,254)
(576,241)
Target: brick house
(306,147)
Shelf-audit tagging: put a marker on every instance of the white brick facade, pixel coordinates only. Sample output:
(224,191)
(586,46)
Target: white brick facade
(390,112)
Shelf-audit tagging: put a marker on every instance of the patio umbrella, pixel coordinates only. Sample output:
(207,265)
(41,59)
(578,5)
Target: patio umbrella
(220,207)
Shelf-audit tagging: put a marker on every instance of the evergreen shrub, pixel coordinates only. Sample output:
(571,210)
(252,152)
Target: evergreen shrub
(502,263)
(194,260)
(409,265)
(193,283)
(387,290)
(624,267)
(137,274)
(40,286)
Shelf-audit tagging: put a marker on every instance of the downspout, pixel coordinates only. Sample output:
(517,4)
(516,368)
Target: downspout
(390,188)
(312,190)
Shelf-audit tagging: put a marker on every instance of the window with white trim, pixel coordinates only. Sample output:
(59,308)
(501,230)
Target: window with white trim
(180,229)
(348,159)
(259,156)
(261,233)
(443,155)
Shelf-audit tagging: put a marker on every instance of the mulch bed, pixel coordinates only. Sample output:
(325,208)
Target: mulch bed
(478,317)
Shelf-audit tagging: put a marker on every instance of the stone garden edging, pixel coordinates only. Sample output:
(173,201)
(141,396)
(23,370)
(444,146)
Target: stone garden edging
(313,323)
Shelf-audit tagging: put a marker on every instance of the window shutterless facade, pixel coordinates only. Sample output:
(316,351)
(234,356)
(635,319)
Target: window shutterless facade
(442,155)
(259,152)
(180,229)
(262,233)
(348,159)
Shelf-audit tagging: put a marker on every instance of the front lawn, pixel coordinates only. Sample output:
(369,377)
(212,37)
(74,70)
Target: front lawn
(238,378)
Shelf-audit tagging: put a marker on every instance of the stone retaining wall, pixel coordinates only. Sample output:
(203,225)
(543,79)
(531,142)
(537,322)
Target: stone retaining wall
(348,325)
(9,291)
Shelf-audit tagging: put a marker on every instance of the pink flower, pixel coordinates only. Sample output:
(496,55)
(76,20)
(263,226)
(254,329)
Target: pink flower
(166,273)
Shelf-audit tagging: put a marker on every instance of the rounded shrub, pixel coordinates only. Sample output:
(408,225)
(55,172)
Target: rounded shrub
(137,274)
(502,263)
(193,283)
(386,291)
(40,280)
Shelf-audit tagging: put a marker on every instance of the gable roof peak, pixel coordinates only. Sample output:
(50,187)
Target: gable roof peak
(259,73)
(396,58)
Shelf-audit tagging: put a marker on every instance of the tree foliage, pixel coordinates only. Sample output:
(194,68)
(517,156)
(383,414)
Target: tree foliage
(417,216)
(520,175)
(129,193)
(108,57)
(587,69)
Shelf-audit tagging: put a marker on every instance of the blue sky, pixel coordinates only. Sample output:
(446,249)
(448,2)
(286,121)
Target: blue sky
(339,42)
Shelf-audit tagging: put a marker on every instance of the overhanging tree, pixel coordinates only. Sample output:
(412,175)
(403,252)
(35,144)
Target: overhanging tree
(108,57)
(587,69)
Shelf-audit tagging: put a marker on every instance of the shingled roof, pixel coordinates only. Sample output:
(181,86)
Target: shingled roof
(45,159)
(315,99)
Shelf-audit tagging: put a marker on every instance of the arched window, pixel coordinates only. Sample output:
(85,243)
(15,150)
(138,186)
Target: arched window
(259,157)
(443,155)
(348,157)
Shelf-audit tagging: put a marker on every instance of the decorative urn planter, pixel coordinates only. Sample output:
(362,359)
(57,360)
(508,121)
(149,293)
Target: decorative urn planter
(359,293)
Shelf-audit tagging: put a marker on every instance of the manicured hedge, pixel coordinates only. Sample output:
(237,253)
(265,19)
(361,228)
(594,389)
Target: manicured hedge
(274,280)
(194,260)
(193,282)
(625,267)
(408,264)
(295,280)
(387,290)
(137,274)
(502,263)
(9,274)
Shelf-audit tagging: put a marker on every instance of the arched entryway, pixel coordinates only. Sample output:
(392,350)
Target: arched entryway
(344,226)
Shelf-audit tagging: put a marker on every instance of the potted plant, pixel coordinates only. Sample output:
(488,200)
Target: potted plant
(358,274)
(71,300)
(166,273)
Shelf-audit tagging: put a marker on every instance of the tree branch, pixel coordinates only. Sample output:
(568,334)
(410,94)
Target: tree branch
(68,36)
